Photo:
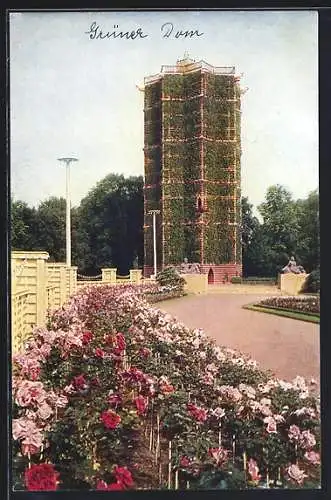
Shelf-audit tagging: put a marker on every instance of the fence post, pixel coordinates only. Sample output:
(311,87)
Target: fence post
(71,280)
(29,278)
(109,275)
(63,284)
(41,295)
(135,276)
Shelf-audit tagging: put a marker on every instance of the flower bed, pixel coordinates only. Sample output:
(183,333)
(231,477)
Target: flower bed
(307,304)
(153,292)
(115,394)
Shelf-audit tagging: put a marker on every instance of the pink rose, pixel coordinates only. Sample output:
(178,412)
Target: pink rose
(294,433)
(44,411)
(208,379)
(265,410)
(31,436)
(19,426)
(248,390)
(312,457)
(265,401)
(218,412)
(30,392)
(253,470)
(307,440)
(279,418)
(295,474)
(141,404)
(230,392)
(220,455)
(61,401)
(271,425)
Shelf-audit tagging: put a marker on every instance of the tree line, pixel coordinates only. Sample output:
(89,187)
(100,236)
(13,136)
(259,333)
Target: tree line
(107,229)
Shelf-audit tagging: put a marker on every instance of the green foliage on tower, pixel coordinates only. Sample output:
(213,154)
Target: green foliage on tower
(199,167)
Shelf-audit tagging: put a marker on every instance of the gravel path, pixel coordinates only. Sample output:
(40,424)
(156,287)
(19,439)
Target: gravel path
(286,346)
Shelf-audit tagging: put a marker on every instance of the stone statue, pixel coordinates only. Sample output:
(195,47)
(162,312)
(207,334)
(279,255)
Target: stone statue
(187,268)
(135,262)
(292,267)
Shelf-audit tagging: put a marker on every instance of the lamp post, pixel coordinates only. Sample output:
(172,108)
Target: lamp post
(154,213)
(67,162)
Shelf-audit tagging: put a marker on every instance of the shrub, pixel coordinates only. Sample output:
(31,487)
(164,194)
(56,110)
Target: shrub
(256,280)
(312,282)
(236,279)
(170,277)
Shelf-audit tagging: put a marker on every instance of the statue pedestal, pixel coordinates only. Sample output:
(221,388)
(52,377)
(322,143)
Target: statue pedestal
(291,284)
(195,283)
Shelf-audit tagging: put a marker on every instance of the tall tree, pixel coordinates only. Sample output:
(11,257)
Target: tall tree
(50,228)
(256,253)
(309,237)
(110,225)
(23,226)
(280,225)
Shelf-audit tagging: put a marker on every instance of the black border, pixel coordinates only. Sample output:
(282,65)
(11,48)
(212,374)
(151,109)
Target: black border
(324,9)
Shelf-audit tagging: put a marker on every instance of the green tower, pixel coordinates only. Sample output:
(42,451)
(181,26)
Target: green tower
(192,168)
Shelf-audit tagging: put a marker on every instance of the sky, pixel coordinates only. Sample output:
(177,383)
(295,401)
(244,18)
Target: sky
(75,96)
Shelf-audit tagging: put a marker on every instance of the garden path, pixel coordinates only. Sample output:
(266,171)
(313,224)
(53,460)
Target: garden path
(286,346)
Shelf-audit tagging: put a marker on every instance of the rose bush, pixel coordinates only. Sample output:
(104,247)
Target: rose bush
(309,304)
(116,394)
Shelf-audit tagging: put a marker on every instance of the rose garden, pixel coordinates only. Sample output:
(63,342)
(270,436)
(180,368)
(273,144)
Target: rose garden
(116,394)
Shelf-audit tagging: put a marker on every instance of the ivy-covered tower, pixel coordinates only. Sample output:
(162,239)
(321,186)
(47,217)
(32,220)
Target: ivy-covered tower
(192,168)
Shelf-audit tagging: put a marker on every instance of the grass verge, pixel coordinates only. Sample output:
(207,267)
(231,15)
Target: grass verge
(285,313)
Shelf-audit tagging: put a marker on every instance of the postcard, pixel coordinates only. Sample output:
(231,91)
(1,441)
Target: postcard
(165,251)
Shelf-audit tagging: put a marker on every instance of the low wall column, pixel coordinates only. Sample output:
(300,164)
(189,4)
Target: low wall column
(109,275)
(135,276)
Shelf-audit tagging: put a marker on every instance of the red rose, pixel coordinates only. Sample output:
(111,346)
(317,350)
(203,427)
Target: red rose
(184,461)
(117,351)
(110,419)
(79,382)
(102,485)
(34,373)
(116,486)
(99,353)
(95,381)
(114,399)
(133,375)
(87,337)
(167,388)
(145,352)
(120,340)
(200,414)
(123,476)
(42,477)
(141,404)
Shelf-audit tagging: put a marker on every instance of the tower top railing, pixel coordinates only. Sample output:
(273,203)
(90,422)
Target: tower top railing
(183,67)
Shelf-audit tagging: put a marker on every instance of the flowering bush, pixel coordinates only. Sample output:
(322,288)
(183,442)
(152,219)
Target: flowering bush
(309,304)
(170,277)
(312,283)
(156,292)
(114,394)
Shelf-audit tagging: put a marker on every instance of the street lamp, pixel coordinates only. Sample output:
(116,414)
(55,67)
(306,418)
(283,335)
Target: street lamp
(154,213)
(67,162)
